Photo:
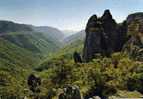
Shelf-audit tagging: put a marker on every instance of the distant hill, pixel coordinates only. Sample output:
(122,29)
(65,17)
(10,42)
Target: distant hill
(21,49)
(40,40)
(13,56)
(77,36)
(69,32)
(15,62)
(50,31)
(9,26)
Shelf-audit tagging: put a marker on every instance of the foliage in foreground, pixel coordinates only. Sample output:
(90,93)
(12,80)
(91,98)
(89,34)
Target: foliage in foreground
(103,76)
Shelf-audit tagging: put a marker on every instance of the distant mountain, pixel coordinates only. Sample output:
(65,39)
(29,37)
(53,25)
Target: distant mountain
(32,41)
(69,32)
(13,56)
(50,31)
(41,40)
(9,26)
(22,47)
(77,36)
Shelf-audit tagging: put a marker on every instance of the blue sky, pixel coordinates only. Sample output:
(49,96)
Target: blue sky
(65,14)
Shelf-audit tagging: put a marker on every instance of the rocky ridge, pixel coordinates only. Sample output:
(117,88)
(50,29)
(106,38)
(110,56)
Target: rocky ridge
(105,36)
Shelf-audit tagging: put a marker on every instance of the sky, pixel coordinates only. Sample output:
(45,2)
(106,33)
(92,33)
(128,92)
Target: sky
(65,14)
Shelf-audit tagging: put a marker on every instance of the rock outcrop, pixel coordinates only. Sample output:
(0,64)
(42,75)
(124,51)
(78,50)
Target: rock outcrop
(77,57)
(134,46)
(33,83)
(70,92)
(103,36)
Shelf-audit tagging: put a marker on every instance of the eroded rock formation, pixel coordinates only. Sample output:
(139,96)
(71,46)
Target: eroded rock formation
(134,46)
(104,36)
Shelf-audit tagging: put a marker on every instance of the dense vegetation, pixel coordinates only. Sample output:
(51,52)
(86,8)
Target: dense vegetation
(33,65)
(14,68)
(103,77)
(21,49)
(117,76)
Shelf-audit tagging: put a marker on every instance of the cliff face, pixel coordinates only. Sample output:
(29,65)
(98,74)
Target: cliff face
(135,25)
(104,36)
(134,46)
(94,31)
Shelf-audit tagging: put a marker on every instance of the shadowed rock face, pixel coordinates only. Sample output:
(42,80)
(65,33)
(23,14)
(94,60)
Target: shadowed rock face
(135,25)
(93,37)
(110,29)
(122,37)
(102,36)
(134,46)
(136,16)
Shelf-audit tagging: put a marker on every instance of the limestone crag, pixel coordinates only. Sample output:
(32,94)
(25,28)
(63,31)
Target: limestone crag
(104,36)
(134,46)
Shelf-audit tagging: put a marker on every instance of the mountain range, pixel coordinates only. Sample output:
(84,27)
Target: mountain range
(104,59)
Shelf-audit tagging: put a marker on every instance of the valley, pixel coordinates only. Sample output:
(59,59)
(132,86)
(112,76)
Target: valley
(103,60)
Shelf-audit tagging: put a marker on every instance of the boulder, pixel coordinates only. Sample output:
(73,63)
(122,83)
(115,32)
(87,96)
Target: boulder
(70,92)
(33,83)
(77,57)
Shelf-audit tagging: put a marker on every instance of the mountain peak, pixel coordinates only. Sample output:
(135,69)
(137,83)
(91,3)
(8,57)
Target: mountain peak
(106,15)
(93,18)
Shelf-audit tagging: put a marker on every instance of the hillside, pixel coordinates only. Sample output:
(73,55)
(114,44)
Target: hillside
(24,36)
(15,62)
(65,52)
(77,36)
(9,26)
(21,49)
(32,41)
(69,32)
(10,54)
(54,33)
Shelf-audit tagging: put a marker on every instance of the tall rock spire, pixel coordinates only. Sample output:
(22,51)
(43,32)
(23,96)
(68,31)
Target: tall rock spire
(107,15)
(101,36)
(92,43)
